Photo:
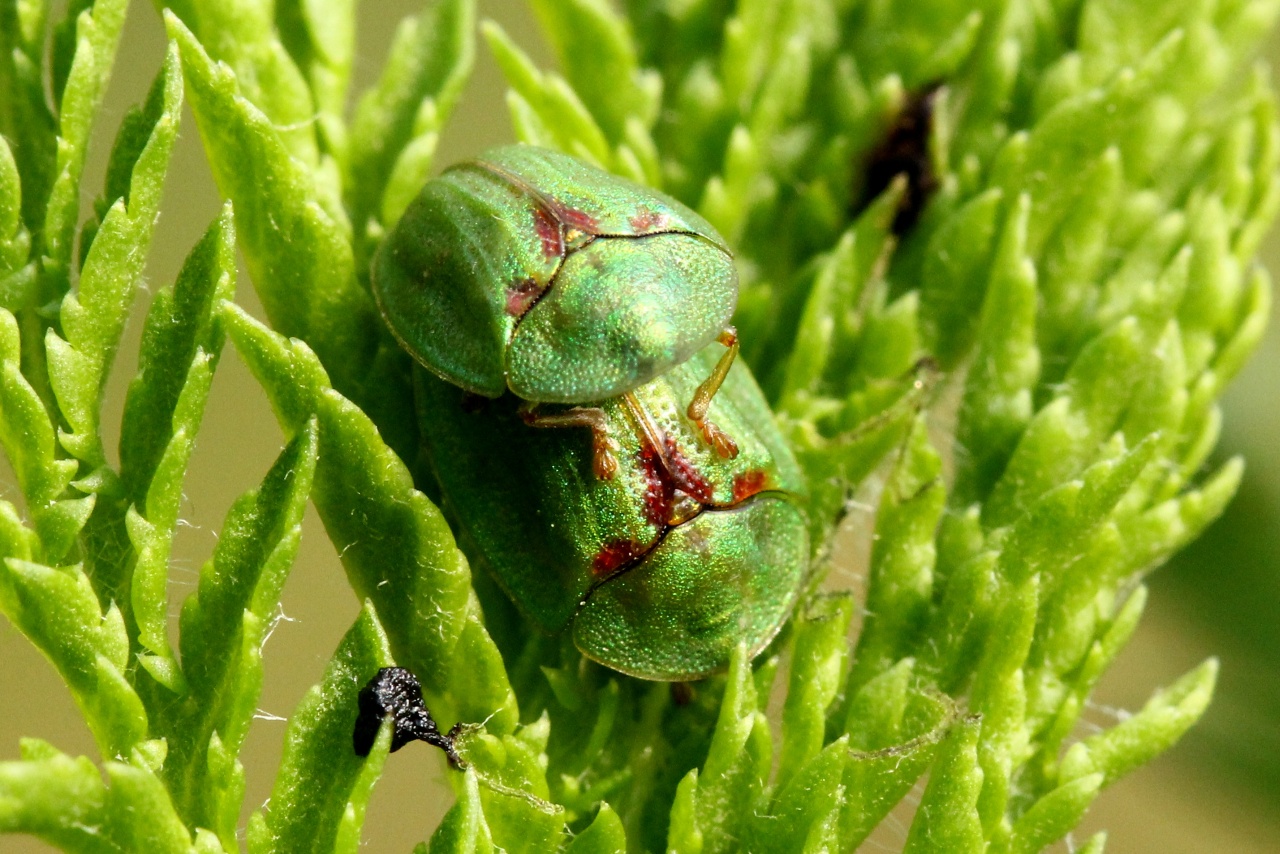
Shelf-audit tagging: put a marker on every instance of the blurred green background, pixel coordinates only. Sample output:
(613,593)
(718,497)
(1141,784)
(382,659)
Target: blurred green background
(1218,791)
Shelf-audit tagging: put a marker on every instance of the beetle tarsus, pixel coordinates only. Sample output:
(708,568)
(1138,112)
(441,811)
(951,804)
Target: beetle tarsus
(604,460)
(721,442)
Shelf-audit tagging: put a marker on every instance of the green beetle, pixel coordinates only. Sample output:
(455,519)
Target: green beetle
(527,270)
(577,299)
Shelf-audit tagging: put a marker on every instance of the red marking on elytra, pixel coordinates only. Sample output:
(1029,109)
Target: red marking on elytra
(658,489)
(647,220)
(549,232)
(748,483)
(521,296)
(614,555)
(580,220)
(687,478)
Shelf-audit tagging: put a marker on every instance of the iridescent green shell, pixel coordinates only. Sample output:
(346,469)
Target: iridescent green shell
(528,270)
(655,576)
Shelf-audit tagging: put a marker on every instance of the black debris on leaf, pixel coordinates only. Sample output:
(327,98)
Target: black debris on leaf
(904,151)
(394,692)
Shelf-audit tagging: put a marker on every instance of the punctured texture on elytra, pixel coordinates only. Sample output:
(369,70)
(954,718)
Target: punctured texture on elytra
(531,271)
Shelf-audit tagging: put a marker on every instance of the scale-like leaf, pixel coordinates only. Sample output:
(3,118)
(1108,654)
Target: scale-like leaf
(224,625)
(321,777)
(87,57)
(66,802)
(180,348)
(57,609)
(93,317)
(429,63)
(299,257)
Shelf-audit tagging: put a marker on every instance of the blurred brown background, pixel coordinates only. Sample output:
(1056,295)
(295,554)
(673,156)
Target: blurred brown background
(1218,791)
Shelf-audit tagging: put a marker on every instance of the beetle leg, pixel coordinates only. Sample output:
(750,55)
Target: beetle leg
(716,438)
(604,461)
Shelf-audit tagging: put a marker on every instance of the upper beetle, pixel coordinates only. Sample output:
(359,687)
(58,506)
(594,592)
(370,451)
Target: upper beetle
(530,271)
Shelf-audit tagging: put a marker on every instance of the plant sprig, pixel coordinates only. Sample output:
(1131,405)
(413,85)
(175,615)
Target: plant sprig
(1023,341)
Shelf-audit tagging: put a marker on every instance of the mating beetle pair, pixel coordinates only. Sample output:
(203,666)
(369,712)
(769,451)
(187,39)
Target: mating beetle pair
(574,299)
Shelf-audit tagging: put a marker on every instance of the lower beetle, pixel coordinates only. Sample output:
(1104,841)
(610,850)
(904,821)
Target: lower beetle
(660,570)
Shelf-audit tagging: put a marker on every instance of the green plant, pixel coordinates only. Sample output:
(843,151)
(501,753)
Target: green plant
(1080,283)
